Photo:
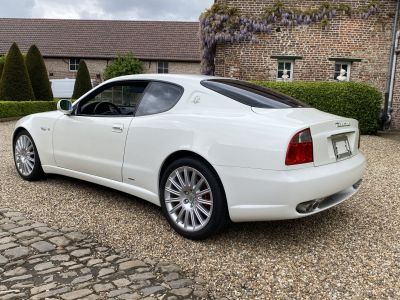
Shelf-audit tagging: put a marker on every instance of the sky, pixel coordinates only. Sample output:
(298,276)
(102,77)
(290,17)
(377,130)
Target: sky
(164,10)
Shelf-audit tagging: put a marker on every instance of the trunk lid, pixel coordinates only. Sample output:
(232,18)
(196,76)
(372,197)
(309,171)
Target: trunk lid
(334,138)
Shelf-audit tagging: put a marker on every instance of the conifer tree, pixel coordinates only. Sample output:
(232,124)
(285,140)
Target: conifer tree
(38,74)
(83,83)
(15,84)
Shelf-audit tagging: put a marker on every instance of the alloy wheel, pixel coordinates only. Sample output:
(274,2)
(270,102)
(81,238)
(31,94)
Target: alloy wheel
(24,155)
(188,199)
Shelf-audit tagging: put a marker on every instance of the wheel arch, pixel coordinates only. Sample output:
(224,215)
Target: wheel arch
(16,131)
(187,153)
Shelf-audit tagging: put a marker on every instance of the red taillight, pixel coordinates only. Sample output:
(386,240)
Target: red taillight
(300,149)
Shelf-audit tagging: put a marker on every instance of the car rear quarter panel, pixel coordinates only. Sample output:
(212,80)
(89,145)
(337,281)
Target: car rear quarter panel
(223,139)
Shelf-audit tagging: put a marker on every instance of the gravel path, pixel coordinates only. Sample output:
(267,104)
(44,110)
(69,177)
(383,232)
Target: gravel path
(351,251)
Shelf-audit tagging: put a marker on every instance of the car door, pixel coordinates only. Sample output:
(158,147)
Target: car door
(154,134)
(92,139)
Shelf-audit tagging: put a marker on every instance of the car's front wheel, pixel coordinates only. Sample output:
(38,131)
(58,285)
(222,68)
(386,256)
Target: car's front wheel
(26,157)
(192,199)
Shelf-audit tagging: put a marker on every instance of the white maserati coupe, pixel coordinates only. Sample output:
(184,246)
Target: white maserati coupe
(205,149)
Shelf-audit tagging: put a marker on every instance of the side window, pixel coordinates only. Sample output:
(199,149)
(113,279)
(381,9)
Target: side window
(121,99)
(159,97)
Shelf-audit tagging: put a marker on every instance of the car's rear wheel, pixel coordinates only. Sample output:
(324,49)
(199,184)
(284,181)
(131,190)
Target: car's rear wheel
(192,199)
(26,157)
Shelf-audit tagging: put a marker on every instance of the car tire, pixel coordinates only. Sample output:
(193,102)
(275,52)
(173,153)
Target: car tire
(192,199)
(26,157)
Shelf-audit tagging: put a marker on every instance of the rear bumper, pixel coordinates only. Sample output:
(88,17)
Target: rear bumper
(262,195)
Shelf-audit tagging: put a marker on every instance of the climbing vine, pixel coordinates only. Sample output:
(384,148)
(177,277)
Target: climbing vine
(224,24)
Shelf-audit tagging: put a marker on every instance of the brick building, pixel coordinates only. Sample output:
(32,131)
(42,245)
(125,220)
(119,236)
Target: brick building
(164,47)
(360,46)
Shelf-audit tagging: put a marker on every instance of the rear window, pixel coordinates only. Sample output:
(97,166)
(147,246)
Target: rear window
(251,94)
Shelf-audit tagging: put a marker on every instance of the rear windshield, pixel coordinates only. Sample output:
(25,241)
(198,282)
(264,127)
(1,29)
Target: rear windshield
(251,94)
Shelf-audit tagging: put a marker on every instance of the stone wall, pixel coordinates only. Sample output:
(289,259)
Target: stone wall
(59,68)
(365,39)
(174,67)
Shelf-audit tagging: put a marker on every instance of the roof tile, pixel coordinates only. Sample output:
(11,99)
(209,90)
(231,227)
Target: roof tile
(148,40)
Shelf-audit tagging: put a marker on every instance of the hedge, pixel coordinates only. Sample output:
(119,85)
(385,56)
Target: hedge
(348,99)
(11,109)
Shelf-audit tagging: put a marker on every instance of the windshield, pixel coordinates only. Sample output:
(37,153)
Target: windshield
(251,94)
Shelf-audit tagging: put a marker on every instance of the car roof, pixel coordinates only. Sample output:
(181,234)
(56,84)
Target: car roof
(175,78)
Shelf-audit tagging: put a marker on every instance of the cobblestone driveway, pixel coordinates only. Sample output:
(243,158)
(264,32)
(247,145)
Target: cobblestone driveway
(39,262)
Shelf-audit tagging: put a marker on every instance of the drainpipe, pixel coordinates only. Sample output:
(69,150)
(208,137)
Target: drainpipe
(393,76)
(386,116)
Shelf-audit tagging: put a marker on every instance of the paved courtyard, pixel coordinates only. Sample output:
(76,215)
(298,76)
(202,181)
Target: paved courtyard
(349,252)
(40,262)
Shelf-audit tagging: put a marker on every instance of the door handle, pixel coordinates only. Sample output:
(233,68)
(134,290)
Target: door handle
(118,128)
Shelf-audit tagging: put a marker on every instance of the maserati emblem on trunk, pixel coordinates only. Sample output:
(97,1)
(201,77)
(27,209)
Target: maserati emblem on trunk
(342,124)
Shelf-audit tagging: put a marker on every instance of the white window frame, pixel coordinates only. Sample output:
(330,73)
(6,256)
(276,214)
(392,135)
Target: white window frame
(285,61)
(164,67)
(348,63)
(75,64)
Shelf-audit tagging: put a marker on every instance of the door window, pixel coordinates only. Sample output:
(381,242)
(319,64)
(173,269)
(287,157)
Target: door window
(159,97)
(117,100)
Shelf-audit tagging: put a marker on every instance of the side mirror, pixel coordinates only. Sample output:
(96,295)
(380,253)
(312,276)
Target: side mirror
(65,106)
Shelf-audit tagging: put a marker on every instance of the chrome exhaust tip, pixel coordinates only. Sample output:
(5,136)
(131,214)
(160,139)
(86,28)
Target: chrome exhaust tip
(315,205)
(357,185)
(308,207)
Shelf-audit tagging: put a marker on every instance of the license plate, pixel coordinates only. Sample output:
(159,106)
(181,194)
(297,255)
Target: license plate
(341,147)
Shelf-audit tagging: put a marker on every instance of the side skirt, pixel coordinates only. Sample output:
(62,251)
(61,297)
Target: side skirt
(120,186)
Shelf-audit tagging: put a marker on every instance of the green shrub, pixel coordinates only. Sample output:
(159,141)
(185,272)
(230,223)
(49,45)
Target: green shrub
(348,99)
(38,74)
(11,109)
(123,65)
(83,83)
(2,62)
(1,68)
(15,84)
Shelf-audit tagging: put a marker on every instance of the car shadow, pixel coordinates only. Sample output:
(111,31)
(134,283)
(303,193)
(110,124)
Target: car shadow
(304,230)
(311,227)
(118,196)
(389,135)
